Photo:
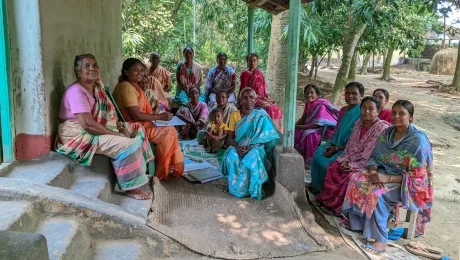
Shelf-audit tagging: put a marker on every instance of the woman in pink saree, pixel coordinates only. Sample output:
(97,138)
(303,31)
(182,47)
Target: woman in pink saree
(318,113)
(357,151)
(254,79)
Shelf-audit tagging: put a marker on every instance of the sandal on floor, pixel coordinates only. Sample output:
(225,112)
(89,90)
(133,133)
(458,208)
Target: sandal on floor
(377,251)
(423,249)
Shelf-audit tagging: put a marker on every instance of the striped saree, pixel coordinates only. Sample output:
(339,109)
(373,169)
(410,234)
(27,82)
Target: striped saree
(129,155)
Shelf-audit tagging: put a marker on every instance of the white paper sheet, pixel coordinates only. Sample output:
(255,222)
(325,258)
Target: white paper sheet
(174,121)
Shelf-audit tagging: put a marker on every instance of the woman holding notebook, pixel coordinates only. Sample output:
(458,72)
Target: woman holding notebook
(135,107)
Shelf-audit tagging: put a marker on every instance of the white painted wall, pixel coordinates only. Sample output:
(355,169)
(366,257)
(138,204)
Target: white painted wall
(46,35)
(73,27)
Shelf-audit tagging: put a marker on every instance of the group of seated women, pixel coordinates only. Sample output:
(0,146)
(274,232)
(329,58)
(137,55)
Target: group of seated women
(89,123)
(195,107)
(372,161)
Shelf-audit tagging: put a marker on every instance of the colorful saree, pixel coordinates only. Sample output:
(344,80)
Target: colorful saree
(160,94)
(129,155)
(168,155)
(194,114)
(359,147)
(319,112)
(368,207)
(188,78)
(256,81)
(342,132)
(386,115)
(219,80)
(246,175)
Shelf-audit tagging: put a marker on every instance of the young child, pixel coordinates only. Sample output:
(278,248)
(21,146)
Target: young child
(216,132)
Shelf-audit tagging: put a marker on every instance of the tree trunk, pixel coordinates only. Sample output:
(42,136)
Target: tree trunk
(317,66)
(387,65)
(456,81)
(366,60)
(373,62)
(352,34)
(339,55)
(313,65)
(329,57)
(352,72)
(277,59)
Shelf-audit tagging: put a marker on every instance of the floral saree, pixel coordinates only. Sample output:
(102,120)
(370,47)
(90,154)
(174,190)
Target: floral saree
(247,174)
(359,147)
(319,112)
(129,156)
(410,157)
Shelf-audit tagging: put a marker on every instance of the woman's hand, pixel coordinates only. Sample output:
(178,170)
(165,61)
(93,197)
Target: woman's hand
(200,124)
(300,127)
(345,165)
(378,179)
(124,131)
(164,116)
(330,151)
(242,150)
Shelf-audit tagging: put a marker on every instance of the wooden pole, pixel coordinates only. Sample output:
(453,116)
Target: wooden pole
(292,68)
(250,30)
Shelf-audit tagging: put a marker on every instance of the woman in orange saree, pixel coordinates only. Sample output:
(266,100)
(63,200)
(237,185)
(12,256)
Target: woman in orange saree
(135,107)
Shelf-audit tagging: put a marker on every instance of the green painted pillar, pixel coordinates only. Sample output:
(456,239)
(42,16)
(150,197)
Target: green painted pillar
(5,89)
(291,84)
(250,30)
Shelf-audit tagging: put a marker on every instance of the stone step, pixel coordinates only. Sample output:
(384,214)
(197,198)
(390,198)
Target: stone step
(139,208)
(18,216)
(46,172)
(120,250)
(66,239)
(93,187)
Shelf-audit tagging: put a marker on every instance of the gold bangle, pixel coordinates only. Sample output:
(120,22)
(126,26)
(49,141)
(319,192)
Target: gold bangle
(391,177)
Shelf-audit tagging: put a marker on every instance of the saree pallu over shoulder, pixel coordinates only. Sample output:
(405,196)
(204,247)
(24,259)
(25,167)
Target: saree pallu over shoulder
(222,81)
(167,151)
(247,174)
(321,113)
(410,157)
(129,165)
(341,135)
(194,79)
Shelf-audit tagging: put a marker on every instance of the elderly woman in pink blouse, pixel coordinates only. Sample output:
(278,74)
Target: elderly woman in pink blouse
(89,126)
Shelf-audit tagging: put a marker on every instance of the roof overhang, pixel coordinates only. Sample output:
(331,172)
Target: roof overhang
(272,6)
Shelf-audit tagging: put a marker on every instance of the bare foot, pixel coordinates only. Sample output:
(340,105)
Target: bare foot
(376,247)
(138,194)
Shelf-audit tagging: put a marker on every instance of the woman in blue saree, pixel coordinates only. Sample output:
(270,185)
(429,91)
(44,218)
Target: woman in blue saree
(398,171)
(253,137)
(328,152)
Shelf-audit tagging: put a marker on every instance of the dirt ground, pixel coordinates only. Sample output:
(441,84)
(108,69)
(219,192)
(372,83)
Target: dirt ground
(438,114)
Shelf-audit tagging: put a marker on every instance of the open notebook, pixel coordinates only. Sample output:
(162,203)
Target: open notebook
(174,122)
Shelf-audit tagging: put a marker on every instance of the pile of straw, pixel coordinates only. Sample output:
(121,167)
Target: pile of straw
(444,62)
